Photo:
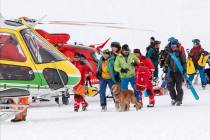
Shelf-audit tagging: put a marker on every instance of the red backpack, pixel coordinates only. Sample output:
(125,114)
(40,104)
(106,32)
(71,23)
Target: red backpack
(143,75)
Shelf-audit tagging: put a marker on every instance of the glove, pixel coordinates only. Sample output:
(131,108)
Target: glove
(123,70)
(134,64)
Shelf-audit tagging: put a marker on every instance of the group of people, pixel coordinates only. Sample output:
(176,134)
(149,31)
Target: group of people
(121,66)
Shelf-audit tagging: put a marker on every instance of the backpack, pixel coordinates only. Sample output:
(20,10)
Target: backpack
(203,58)
(143,76)
(190,67)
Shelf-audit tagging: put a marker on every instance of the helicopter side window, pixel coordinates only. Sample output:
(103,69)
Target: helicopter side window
(39,49)
(10,49)
(12,72)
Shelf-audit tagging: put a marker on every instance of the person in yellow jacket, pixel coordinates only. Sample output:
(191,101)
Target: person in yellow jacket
(106,75)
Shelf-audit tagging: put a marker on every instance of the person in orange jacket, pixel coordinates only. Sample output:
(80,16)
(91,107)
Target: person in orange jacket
(79,89)
(145,61)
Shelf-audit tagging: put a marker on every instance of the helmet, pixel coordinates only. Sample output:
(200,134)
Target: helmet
(92,91)
(196,41)
(171,39)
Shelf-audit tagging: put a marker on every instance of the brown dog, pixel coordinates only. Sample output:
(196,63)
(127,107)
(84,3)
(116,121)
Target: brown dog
(123,98)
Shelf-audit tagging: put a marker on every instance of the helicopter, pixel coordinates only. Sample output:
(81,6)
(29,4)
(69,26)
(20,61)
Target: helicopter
(31,64)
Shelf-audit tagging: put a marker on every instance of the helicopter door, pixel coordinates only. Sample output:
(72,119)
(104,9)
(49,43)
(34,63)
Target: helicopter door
(15,68)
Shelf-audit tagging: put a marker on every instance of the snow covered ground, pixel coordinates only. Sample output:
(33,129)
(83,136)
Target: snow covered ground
(164,122)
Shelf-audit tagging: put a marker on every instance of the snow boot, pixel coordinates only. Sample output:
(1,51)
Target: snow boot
(173,102)
(178,103)
(84,108)
(76,110)
(150,105)
(103,109)
(204,86)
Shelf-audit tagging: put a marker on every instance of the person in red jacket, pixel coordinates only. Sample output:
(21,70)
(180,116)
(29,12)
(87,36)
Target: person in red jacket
(145,61)
(195,54)
(79,89)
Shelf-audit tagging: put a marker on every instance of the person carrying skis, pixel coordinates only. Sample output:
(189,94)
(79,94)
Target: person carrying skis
(175,75)
(199,57)
(80,89)
(146,62)
(106,75)
(124,64)
(153,54)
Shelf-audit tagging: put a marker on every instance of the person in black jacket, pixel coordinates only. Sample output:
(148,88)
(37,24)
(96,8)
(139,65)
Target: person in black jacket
(151,45)
(175,75)
(153,54)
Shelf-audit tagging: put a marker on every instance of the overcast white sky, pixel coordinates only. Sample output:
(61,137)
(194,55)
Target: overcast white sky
(184,19)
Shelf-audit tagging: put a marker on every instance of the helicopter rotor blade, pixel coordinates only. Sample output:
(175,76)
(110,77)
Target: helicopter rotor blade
(102,24)
(81,22)
(63,23)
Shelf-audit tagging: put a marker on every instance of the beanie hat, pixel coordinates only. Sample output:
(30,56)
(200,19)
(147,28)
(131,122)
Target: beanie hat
(106,51)
(116,44)
(152,38)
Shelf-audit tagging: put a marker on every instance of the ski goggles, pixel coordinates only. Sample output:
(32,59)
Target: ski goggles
(173,46)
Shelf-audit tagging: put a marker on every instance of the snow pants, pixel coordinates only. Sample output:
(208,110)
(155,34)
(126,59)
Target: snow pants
(176,80)
(102,89)
(201,71)
(78,99)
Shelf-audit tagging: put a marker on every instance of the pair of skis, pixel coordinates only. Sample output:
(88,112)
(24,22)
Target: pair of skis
(180,68)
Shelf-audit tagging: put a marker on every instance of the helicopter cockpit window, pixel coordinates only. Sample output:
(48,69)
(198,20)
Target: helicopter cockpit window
(39,49)
(10,49)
